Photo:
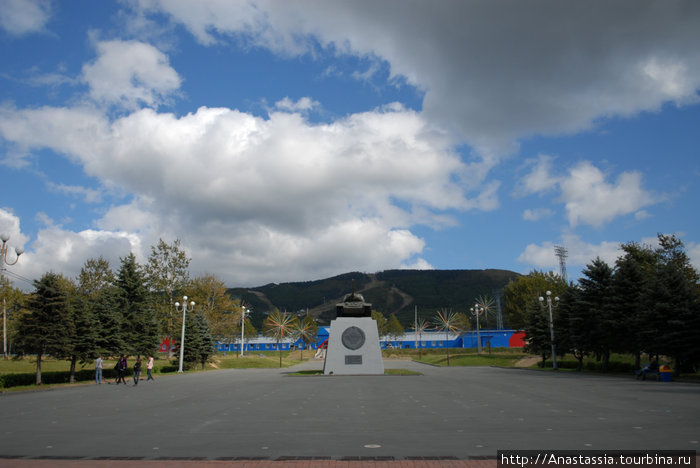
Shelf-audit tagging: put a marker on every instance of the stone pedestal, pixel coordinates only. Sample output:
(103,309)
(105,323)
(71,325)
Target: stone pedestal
(353,347)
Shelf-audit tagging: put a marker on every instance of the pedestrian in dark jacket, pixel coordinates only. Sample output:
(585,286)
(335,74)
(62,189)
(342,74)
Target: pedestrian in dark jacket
(122,366)
(137,370)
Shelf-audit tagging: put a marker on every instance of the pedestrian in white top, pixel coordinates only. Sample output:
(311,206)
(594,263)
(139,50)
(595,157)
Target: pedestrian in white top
(98,370)
(149,368)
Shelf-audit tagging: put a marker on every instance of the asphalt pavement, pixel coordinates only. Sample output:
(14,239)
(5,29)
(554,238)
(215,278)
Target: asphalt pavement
(457,413)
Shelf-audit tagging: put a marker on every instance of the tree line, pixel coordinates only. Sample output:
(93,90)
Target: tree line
(103,313)
(647,303)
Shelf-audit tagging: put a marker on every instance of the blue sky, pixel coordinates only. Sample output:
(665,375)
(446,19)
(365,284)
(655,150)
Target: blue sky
(289,141)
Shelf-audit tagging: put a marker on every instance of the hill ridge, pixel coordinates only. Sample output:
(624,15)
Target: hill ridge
(389,291)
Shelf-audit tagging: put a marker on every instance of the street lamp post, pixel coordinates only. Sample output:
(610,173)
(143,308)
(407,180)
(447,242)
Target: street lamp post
(182,337)
(477,310)
(244,314)
(551,326)
(3,261)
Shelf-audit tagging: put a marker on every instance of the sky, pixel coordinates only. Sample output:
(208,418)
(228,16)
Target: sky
(294,141)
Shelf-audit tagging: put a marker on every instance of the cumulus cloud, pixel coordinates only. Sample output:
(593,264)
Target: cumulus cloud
(64,251)
(590,199)
(10,226)
(130,74)
(548,68)
(21,17)
(540,178)
(248,194)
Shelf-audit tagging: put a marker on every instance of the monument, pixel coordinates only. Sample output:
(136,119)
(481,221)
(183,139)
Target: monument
(353,341)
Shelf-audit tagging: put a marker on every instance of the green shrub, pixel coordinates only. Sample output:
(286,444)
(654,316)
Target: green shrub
(56,377)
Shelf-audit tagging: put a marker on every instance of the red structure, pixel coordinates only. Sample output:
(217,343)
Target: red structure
(517,340)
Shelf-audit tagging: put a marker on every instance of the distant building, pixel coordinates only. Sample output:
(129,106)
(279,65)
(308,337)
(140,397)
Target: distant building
(409,340)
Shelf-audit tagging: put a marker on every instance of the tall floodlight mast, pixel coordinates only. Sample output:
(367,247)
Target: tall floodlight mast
(561,252)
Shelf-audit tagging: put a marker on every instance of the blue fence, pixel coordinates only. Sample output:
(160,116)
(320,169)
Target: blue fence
(409,340)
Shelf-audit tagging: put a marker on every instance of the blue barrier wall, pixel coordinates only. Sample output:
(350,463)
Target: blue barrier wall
(409,340)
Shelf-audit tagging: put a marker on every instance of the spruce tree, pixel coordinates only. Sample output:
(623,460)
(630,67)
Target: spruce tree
(569,328)
(676,303)
(48,328)
(100,299)
(537,331)
(139,328)
(194,341)
(106,307)
(83,343)
(594,300)
(207,343)
(630,300)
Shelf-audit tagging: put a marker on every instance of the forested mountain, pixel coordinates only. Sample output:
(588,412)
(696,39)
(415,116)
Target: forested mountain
(390,292)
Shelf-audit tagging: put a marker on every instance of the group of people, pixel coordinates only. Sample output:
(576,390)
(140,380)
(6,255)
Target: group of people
(121,367)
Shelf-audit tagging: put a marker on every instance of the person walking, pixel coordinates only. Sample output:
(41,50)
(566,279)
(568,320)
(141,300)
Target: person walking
(137,370)
(98,370)
(149,368)
(122,366)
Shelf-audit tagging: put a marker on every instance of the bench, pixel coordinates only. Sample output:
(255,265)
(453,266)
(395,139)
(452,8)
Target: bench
(643,375)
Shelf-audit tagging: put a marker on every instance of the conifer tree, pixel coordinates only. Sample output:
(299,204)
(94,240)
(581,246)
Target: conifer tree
(634,327)
(676,302)
(206,348)
(594,308)
(574,330)
(83,343)
(194,339)
(106,308)
(99,298)
(140,329)
(48,328)
(537,331)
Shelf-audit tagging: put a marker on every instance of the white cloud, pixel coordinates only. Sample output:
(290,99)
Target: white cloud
(590,199)
(20,17)
(304,104)
(694,254)
(130,74)
(63,251)
(586,194)
(10,225)
(579,253)
(573,64)
(251,197)
(537,214)
(540,178)
(87,194)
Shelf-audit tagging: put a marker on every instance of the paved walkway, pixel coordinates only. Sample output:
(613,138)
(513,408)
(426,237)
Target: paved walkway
(306,463)
(447,417)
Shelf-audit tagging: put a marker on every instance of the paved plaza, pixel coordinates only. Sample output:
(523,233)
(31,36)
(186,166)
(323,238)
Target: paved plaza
(458,413)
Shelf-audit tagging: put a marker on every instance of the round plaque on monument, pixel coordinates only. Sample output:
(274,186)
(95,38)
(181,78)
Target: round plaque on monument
(353,338)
